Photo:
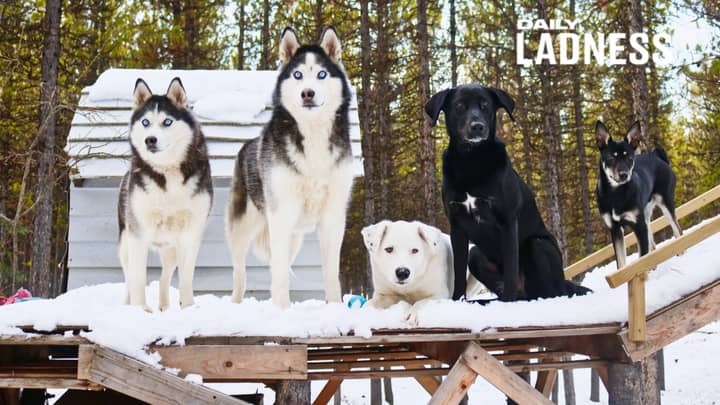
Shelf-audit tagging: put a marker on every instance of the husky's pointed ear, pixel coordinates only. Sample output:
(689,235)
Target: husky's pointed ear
(142,93)
(374,234)
(437,104)
(504,100)
(176,93)
(430,235)
(330,43)
(634,135)
(602,135)
(289,44)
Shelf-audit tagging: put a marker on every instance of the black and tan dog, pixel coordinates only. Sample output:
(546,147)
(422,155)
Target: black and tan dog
(630,186)
(488,204)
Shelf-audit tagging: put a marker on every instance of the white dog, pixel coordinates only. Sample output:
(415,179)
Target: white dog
(411,262)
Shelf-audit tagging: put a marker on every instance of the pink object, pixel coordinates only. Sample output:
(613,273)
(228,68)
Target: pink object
(19,295)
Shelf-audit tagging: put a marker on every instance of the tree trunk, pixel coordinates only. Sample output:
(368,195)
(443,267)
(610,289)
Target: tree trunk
(633,384)
(384,142)
(42,266)
(427,147)
(241,39)
(265,62)
(582,157)
(639,80)
(553,159)
(453,45)
(319,23)
(191,34)
(367,135)
(526,169)
(292,393)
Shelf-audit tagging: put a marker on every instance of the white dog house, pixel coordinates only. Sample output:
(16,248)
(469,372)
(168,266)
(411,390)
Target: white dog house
(232,107)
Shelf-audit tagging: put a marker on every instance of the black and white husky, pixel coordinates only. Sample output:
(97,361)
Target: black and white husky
(166,196)
(297,175)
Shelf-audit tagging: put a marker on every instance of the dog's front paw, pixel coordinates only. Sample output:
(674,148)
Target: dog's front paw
(147,308)
(281,300)
(164,307)
(413,316)
(188,302)
(236,298)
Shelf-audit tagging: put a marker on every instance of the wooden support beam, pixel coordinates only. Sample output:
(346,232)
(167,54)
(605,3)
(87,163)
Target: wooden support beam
(480,362)
(328,391)
(633,384)
(608,252)
(429,384)
(121,373)
(680,319)
(64,383)
(226,363)
(545,381)
(636,308)
(565,365)
(325,375)
(664,253)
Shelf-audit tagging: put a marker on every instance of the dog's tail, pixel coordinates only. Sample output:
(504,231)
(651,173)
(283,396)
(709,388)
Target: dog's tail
(572,289)
(660,152)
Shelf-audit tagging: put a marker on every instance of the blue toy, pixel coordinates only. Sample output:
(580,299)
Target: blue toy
(356,301)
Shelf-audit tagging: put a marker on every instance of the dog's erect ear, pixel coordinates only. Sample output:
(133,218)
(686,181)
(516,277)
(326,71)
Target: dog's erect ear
(602,135)
(289,44)
(431,235)
(437,104)
(176,93)
(374,234)
(504,100)
(634,135)
(142,92)
(330,43)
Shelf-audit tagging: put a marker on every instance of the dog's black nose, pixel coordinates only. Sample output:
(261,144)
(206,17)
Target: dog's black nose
(402,273)
(477,127)
(307,95)
(151,141)
(623,175)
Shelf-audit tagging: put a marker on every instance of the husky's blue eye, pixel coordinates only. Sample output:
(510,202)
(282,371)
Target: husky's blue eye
(297,74)
(167,122)
(145,122)
(322,74)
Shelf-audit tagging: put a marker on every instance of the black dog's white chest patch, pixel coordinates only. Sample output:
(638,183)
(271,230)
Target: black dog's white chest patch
(477,207)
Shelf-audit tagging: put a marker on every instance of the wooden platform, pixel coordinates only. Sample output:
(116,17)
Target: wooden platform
(63,359)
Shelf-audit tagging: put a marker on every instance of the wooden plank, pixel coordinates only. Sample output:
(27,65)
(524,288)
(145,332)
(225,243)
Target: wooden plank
(678,321)
(141,381)
(636,308)
(64,383)
(545,381)
(565,365)
(42,340)
(607,252)
(455,386)
(482,363)
(325,375)
(664,253)
(368,356)
(328,391)
(372,363)
(225,363)
(529,355)
(429,384)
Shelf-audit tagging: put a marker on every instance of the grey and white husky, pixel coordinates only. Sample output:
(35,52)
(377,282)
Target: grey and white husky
(166,196)
(297,175)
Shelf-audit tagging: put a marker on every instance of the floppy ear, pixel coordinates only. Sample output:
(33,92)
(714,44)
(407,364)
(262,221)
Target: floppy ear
(437,104)
(142,92)
(634,135)
(289,44)
(431,235)
(504,100)
(330,43)
(602,135)
(176,93)
(374,234)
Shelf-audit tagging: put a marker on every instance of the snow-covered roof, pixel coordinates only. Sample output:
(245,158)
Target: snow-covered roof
(232,107)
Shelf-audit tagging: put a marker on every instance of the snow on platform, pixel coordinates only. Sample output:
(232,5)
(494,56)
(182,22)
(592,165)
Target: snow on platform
(130,329)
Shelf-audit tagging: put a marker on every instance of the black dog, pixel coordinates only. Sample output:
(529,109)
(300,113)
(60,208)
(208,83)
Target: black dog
(630,186)
(488,204)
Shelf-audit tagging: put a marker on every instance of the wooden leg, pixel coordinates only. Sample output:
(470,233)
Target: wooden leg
(633,384)
(594,386)
(476,361)
(545,381)
(9,396)
(328,391)
(292,392)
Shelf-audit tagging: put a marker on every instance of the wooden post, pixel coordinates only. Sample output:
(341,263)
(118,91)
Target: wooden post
(633,384)
(292,393)
(476,361)
(636,308)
